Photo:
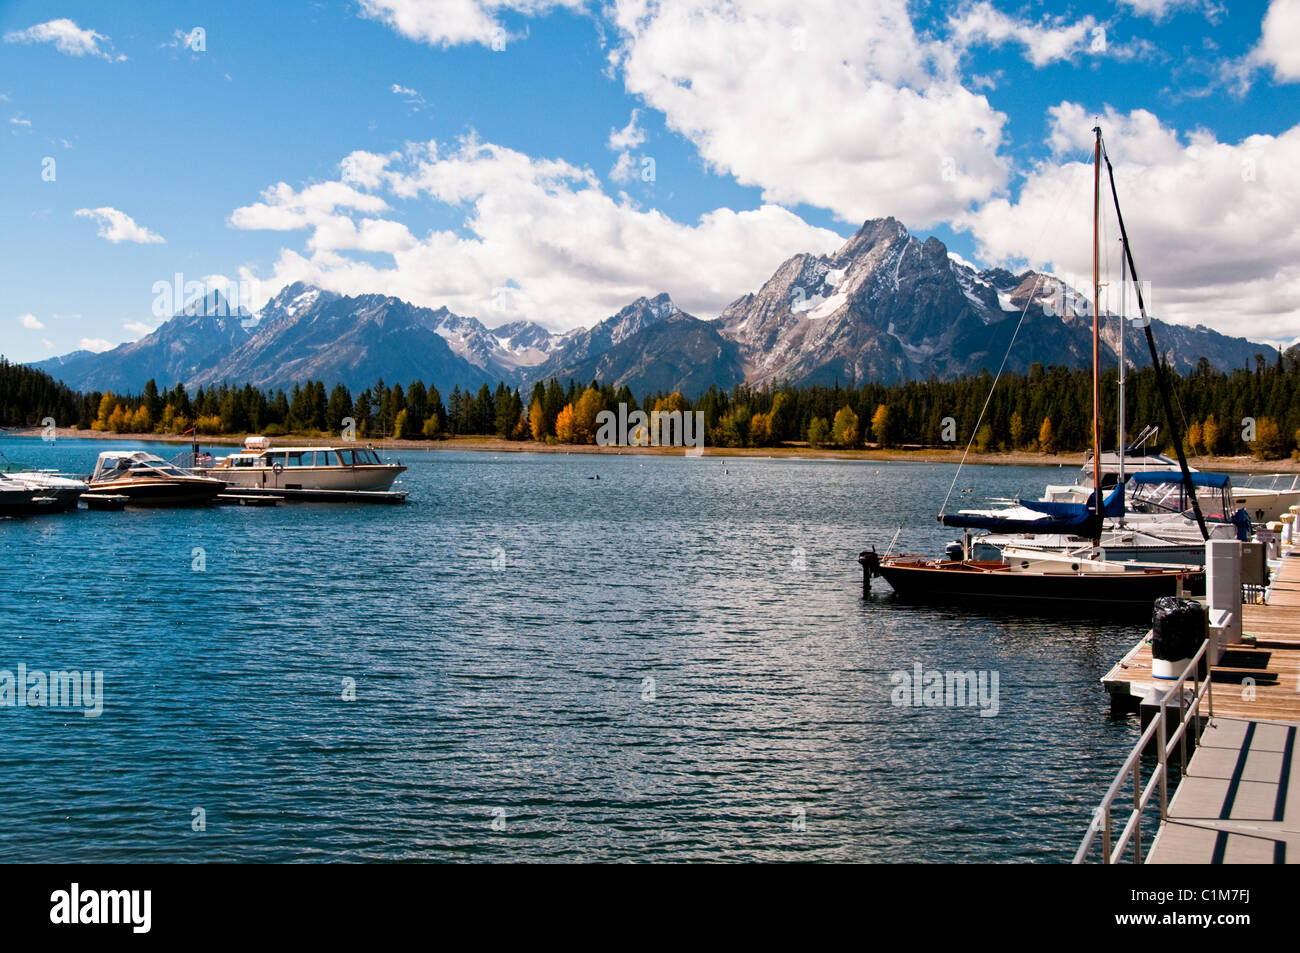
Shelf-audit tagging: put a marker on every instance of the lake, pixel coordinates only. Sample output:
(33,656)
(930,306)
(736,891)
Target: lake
(672,662)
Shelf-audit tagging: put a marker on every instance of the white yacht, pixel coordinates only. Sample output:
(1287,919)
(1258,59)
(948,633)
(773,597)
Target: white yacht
(36,491)
(1150,523)
(323,468)
(1262,504)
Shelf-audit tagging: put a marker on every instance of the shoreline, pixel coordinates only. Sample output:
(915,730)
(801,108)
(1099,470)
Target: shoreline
(793,452)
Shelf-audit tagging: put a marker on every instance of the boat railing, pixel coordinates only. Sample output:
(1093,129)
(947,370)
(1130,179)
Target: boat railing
(1112,849)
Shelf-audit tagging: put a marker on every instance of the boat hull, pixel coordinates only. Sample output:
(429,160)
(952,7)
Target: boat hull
(376,478)
(30,502)
(1265,506)
(994,584)
(189,492)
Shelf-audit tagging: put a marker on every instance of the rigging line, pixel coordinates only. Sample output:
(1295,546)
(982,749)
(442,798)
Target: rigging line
(1060,193)
(983,410)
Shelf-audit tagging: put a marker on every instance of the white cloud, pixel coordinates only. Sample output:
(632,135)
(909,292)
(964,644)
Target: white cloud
(98,345)
(117,226)
(623,141)
(140,328)
(455,22)
(624,168)
(836,103)
(1051,40)
(571,253)
(411,96)
(629,137)
(19,122)
(1279,44)
(47,344)
(1212,223)
(194,39)
(30,323)
(1157,10)
(67,38)
(284,209)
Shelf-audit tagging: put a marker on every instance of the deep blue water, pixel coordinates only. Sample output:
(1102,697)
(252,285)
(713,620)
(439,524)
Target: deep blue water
(521,693)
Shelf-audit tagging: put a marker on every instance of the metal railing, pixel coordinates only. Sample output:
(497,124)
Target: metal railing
(1159,780)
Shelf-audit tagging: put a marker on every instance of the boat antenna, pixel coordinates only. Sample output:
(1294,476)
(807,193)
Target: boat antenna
(1157,361)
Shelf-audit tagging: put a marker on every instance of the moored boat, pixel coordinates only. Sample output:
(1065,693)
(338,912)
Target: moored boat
(347,467)
(1146,521)
(148,480)
(1078,585)
(25,489)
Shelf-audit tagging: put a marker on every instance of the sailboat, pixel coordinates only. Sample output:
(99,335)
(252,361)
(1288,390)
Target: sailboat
(1080,581)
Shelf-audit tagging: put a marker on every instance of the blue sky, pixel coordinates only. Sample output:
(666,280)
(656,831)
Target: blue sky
(499,149)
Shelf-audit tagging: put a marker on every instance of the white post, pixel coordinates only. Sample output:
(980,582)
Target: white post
(1272,538)
(1223,592)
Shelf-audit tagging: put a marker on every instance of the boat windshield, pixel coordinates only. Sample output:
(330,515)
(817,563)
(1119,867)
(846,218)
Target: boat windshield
(112,466)
(359,457)
(1216,503)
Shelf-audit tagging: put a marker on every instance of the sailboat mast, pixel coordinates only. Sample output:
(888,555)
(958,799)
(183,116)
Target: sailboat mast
(1096,336)
(1157,362)
(1123,329)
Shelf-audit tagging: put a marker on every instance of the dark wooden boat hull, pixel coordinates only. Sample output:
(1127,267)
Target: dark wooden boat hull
(1129,592)
(191,492)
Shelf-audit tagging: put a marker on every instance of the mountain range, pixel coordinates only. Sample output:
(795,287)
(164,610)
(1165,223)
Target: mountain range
(884,307)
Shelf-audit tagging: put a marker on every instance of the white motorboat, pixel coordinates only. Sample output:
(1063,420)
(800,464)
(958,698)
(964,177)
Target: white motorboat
(1148,524)
(1262,504)
(330,468)
(148,480)
(28,490)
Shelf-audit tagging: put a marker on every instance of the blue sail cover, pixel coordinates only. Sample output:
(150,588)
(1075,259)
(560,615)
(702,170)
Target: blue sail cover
(1216,480)
(1072,519)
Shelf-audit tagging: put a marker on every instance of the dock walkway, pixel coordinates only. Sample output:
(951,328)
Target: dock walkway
(1239,800)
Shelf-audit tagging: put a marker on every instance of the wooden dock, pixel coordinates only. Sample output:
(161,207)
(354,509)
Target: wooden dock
(1239,799)
(298,495)
(1257,679)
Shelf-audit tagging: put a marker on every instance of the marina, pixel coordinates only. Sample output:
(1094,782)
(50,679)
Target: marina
(1236,794)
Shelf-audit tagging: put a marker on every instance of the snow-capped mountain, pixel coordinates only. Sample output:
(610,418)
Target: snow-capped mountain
(178,350)
(883,307)
(888,307)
